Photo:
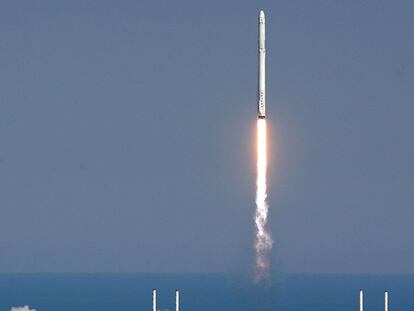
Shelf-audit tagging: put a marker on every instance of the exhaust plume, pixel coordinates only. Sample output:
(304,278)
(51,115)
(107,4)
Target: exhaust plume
(263,240)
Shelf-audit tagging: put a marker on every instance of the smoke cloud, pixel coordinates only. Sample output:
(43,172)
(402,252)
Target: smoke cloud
(24,308)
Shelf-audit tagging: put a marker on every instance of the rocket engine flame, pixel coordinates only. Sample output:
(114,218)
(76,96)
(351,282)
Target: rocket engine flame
(263,241)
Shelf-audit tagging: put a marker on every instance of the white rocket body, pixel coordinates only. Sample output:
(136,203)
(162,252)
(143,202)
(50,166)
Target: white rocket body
(361,300)
(177,300)
(386,301)
(261,105)
(154,300)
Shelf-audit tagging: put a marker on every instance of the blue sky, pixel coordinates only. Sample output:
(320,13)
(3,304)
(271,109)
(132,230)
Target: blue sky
(127,135)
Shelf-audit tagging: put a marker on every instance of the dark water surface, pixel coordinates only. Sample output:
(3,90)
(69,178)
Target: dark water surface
(199,292)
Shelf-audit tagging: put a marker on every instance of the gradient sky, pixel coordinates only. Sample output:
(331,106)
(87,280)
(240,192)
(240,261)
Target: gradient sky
(127,135)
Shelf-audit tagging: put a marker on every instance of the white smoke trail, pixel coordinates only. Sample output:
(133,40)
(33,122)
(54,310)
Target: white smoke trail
(263,242)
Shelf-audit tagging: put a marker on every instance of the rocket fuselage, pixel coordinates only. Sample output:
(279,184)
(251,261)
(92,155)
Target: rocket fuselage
(261,105)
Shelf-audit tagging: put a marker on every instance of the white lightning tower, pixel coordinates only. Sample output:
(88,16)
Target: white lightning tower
(261,96)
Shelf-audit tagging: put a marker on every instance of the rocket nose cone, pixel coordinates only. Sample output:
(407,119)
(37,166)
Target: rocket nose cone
(261,14)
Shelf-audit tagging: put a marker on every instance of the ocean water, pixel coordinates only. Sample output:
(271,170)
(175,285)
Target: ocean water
(132,292)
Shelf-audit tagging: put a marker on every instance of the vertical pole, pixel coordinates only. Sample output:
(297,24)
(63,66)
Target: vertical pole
(154,300)
(177,300)
(386,301)
(361,300)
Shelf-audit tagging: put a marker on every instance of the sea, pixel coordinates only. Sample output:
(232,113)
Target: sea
(204,292)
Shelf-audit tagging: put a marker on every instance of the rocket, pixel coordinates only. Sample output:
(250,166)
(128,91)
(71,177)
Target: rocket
(154,300)
(261,92)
